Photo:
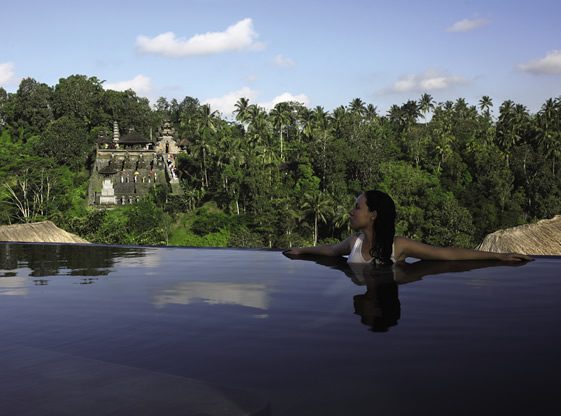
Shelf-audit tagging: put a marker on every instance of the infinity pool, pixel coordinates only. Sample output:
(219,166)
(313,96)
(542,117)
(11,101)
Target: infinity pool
(298,336)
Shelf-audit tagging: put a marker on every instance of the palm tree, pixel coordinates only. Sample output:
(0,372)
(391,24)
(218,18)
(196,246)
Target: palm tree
(548,130)
(341,217)
(339,117)
(357,106)
(259,126)
(512,123)
(321,126)
(241,111)
(208,122)
(461,108)
(306,121)
(229,163)
(395,115)
(504,126)
(410,112)
(485,104)
(371,112)
(426,105)
(281,117)
(318,205)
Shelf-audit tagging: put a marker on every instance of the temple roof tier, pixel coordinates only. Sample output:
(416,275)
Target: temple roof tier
(107,170)
(134,138)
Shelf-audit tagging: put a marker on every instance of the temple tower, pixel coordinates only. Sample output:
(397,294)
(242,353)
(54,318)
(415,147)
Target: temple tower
(116,134)
(107,196)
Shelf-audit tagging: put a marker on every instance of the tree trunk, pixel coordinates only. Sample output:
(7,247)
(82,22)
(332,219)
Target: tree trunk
(281,144)
(315,230)
(324,160)
(205,178)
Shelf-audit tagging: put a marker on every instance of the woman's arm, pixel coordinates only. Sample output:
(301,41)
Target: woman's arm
(339,249)
(422,251)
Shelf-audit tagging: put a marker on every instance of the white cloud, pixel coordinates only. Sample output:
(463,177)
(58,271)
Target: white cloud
(286,97)
(466,25)
(238,37)
(283,62)
(140,84)
(428,81)
(227,103)
(7,73)
(549,64)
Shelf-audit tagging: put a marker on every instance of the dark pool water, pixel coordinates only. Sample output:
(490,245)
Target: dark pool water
(311,335)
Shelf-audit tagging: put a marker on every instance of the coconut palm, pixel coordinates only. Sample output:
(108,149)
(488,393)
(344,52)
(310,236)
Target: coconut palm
(321,132)
(410,112)
(395,115)
(357,106)
(318,205)
(339,118)
(241,112)
(426,105)
(281,118)
(259,126)
(208,121)
(513,121)
(305,121)
(548,121)
(371,112)
(341,217)
(485,104)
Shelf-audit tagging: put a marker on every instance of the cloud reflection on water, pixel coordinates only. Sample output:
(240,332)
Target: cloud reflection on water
(252,295)
(13,286)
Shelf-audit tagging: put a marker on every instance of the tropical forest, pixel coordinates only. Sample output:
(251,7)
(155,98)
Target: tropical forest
(285,176)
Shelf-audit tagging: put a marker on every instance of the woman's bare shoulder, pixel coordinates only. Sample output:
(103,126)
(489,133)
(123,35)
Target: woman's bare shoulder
(344,247)
(400,241)
(351,239)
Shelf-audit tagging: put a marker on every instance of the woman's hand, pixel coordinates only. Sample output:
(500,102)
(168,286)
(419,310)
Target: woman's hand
(513,257)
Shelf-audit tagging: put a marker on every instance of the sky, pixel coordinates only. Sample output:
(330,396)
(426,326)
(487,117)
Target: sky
(320,53)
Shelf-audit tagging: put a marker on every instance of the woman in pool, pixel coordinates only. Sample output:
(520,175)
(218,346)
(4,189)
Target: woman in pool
(373,216)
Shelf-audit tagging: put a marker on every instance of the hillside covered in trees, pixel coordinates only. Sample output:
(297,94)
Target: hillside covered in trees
(283,177)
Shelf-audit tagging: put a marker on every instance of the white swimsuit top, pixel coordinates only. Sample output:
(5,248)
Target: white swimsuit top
(356,252)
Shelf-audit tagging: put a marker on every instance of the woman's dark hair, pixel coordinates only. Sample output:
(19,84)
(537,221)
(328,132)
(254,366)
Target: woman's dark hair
(384,225)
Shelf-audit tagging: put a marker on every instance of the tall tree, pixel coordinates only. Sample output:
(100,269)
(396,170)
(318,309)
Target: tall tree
(131,111)
(485,105)
(321,129)
(317,205)
(66,141)
(32,108)
(242,110)
(80,97)
(281,117)
(208,122)
(549,130)
(426,105)
(357,106)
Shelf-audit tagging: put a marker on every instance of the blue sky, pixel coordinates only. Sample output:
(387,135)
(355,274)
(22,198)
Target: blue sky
(317,52)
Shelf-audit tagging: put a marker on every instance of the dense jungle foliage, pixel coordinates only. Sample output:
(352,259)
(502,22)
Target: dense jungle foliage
(284,177)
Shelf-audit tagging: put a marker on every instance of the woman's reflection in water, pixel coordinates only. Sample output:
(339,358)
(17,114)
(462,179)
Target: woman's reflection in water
(379,307)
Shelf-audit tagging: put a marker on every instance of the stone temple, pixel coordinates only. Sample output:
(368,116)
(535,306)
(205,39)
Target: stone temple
(127,166)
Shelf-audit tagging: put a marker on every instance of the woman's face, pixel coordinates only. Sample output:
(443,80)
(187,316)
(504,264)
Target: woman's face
(360,216)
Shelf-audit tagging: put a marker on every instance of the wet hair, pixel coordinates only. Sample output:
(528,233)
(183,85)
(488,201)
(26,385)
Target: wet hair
(384,225)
